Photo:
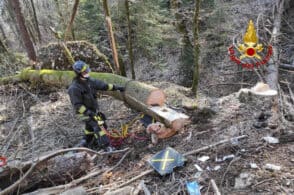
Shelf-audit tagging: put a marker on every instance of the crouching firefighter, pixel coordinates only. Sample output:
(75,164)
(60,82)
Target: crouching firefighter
(83,94)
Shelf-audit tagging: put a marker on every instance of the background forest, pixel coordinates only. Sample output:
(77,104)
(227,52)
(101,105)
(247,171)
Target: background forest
(179,46)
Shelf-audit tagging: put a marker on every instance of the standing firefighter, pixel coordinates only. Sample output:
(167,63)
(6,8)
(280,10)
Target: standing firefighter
(83,94)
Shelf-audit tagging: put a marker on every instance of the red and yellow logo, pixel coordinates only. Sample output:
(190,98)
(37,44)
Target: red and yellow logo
(251,51)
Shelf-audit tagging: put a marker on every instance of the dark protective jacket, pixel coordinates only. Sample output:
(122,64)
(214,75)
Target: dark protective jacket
(83,94)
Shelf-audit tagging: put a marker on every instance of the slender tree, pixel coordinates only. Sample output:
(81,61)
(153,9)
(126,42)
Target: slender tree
(119,68)
(23,30)
(36,22)
(60,14)
(130,44)
(2,31)
(12,22)
(187,54)
(69,26)
(196,47)
(3,48)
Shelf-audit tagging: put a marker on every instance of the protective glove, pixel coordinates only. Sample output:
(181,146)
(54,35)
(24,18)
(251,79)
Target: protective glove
(99,120)
(118,88)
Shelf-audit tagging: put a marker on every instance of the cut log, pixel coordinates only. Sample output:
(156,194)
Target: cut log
(142,92)
(167,116)
(139,96)
(175,120)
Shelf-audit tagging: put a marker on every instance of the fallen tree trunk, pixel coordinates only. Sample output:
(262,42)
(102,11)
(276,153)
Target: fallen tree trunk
(58,189)
(137,95)
(57,170)
(142,92)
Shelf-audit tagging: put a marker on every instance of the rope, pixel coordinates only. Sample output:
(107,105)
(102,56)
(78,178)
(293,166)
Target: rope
(116,138)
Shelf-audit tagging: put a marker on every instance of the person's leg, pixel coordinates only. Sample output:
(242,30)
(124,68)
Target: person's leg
(147,120)
(89,134)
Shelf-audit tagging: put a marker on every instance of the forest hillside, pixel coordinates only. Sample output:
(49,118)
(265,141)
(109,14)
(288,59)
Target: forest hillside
(200,96)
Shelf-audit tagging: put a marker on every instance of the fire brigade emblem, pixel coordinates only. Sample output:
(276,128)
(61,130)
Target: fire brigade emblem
(251,51)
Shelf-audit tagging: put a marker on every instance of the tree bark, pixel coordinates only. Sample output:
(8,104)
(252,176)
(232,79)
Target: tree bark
(3,48)
(23,30)
(196,47)
(69,26)
(273,68)
(187,56)
(13,23)
(119,67)
(3,35)
(130,43)
(30,28)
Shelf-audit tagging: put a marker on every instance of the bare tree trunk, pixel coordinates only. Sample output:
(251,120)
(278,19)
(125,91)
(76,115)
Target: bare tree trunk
(130,45)
(13,25)
(186,58)
(62,20)
(3,32)
(69,26)
(23,30)
(3,41)
(273,68)
(36,22)
(30,28)
(196,47)
(3,48)
(119,69)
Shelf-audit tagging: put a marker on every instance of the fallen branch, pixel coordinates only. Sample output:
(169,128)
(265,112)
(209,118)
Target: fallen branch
(215,188)
(263,181)
(290,92)
(58,189)
(214,145)
(286,66)
(135,178)
(217,84)
(37,162)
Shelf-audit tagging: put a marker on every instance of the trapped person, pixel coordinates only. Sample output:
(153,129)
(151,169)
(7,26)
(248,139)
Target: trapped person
(83,93)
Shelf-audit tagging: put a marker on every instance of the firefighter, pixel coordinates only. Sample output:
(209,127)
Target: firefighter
(83,94)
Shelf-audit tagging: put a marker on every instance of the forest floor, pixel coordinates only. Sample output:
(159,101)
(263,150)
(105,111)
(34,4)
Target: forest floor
(35,122)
